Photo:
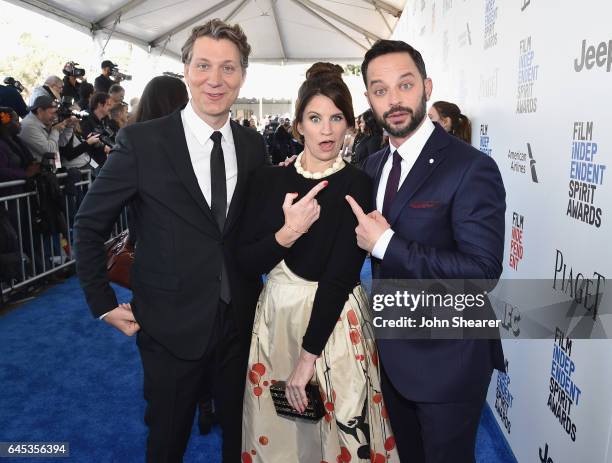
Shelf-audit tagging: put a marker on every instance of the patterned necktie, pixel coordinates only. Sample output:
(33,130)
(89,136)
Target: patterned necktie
(218,184)
(392,183)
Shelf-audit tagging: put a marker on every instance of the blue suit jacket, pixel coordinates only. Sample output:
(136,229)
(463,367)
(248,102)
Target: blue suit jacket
(448,218)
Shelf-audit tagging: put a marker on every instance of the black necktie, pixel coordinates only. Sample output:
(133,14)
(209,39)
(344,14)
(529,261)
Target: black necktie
(218,202)
(392,184)
(218,184)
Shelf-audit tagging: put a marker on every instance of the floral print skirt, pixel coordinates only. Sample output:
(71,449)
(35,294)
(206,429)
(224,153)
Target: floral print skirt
(356,426)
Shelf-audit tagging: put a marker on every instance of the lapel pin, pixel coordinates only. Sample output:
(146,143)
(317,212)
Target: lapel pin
(431,160)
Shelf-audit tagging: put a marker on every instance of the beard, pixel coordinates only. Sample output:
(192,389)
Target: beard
(416,117)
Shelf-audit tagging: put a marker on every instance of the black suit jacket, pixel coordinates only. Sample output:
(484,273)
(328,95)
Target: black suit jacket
(177,270)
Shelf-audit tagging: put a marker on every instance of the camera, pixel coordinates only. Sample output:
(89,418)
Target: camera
(11,82)
(47,163)
(115,73)
(65,111)
(71,70)
(173,74)
(105,136)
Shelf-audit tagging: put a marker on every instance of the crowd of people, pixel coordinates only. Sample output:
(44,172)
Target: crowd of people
(212,217)
(67,126)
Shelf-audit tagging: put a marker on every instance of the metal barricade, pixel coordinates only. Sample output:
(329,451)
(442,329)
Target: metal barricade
(43,254)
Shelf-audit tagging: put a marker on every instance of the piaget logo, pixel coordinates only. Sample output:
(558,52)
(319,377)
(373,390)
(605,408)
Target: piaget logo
(583,290)
(488,85)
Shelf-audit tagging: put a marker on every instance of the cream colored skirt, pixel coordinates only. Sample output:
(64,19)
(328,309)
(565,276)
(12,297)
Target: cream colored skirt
(356,426)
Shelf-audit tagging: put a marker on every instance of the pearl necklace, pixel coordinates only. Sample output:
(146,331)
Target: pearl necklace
(336,166)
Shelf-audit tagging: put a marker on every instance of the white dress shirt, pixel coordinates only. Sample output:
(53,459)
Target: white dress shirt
(409,151)
(200,145)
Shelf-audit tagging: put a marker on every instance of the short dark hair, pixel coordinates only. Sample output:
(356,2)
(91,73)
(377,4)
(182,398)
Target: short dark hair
(98,98)
(384,47)
(85,91)
(117,109)
(323,79)
(372,127)
(162,95)
(116,88)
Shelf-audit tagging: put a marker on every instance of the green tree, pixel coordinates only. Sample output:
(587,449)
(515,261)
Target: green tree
(35,61)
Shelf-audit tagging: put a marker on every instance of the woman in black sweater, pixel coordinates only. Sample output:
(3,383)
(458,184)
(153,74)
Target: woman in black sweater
(312,320)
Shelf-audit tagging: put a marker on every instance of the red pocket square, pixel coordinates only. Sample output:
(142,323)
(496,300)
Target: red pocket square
(424,204)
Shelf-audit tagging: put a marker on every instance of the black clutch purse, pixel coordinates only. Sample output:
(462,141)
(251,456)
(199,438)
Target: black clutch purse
(314,411)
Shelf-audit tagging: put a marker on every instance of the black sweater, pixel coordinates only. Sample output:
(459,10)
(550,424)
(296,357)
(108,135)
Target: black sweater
(328,253)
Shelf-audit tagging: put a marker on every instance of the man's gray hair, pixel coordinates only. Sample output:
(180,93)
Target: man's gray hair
(217,29)
(53,80)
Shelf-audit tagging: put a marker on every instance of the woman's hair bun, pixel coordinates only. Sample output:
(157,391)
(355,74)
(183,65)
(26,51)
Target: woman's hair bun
(324,69)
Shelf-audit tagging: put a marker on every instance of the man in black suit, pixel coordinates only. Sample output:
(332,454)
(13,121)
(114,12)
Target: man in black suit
(185,176)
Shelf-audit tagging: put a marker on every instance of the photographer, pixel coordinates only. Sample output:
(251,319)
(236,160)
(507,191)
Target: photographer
(281,142)
(117,93)
(98,122)
(73,77)
(52,87)
(85,93)
(39,130)
(75,153)
(118,118)
(10,96)
(16,161)
(103,82)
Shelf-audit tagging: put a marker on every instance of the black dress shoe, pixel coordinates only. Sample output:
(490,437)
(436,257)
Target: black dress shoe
(207,418)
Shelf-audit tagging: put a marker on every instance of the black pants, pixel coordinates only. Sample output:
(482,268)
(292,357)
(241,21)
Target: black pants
(173,388)
(432,432)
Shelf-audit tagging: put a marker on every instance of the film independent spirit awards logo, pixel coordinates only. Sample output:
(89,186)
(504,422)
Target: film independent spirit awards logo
(587,176)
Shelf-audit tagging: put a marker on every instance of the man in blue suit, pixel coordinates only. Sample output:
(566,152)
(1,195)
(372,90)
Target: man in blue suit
(440,207)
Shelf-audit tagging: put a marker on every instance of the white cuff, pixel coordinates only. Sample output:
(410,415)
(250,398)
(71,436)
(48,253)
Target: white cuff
(381,245)
(104,315)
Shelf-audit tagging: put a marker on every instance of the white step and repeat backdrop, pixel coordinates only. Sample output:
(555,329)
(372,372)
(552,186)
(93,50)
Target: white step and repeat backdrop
(535,78)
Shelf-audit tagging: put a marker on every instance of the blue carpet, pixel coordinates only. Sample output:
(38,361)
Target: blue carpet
(65,377)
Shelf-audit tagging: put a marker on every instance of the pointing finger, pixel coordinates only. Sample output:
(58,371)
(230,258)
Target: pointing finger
(357,210)
(315,190)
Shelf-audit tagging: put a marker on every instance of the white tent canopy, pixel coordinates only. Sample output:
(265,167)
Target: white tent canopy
(278,30)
